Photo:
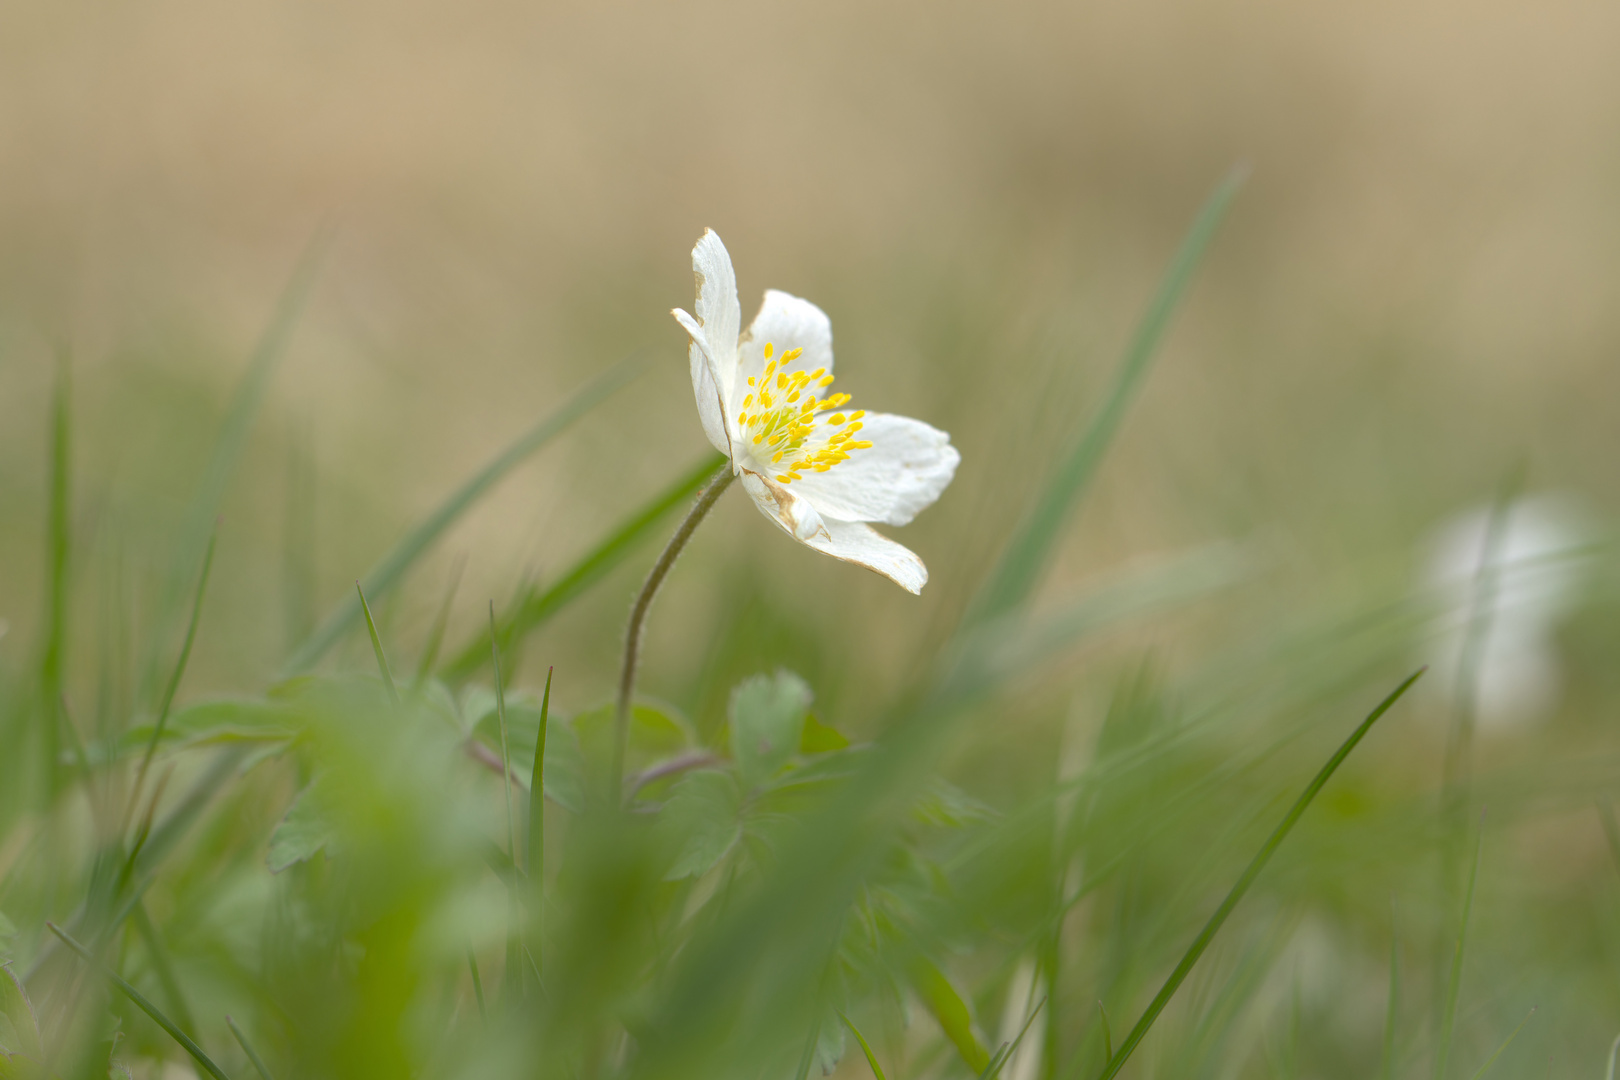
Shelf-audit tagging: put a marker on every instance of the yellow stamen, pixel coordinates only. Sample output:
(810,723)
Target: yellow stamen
(769,348)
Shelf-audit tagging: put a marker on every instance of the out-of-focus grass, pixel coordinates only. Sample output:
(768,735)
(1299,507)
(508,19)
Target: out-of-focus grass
(1412,301)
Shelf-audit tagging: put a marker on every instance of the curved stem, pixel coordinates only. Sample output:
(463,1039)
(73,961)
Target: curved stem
(638,618)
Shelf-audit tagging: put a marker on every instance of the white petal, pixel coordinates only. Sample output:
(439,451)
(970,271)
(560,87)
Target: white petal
(793,515)
(785,322)
(893,480)
(854,542)
(710,404)
(717,306)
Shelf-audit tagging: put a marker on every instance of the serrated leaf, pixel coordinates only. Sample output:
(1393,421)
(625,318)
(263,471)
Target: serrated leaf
(305,832)
(767,721)
(702,820)
(818,738)
(19,1028)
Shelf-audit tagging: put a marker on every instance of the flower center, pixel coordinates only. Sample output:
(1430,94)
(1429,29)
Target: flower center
(782,420)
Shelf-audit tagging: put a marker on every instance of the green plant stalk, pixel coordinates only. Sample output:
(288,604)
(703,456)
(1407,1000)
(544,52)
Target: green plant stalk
(176,675)
(1027,554)
(1213,926)
(638,620)
(141,1003)
(1448,1017)
(534,610)
(402,556)
(376,647)
(247,1048)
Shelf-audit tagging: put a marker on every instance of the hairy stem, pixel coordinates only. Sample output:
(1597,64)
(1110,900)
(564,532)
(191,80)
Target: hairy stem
(638,618)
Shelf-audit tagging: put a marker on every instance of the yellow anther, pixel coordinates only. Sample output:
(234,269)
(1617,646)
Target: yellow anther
(785,478)
(809,406)
(749,400)
(759,438)
(776,457)
(781,381)
(828,381)
(750,380)
(835,419)
(792,354)
(793,395)
(769,348)
(818,373)
(860,446)
(857,414)
(742,419)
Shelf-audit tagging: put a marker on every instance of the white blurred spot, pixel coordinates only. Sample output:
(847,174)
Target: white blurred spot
(1504,586)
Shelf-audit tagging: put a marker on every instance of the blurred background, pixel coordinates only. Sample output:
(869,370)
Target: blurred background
(1411,306)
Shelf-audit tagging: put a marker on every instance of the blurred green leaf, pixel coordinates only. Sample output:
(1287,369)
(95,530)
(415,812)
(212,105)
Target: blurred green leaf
(866,1048)
(768,714)
(658,731)
(947,1007)
(702,820)
(565,762)
(304,832)
(19,1028)
(819,738)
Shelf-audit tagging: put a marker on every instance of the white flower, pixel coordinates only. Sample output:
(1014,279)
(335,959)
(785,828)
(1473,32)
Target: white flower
(1531,585)
(817,470)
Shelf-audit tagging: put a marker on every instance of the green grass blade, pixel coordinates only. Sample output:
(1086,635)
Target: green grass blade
(58,552)
(376,645)
(536,860)
(392,567)
(232,441)
(1007,1050)
(1394,996)
(1213,926)
(173,685)
(478,985)
(1614,1051)
(514,940)
(1485,1068)
(538,607)
(247,1048)
(145,1006)
(1026,555)
(1448,1019)
(1611,830)
(866,1048)
(161,966)
(435,638)
(1108,1032)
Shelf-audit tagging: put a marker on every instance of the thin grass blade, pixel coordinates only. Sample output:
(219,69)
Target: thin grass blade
(392,567)
(173,685)
(140,1002)
(866,1048)
(58,552)
(1269,848)
(376,646)
(1007,1050)
(536,608)
(536,860)
(1026,556)
(1448,1020)
(1394,996)
(1485,1068)
(247,1048)
(435,639)
(231,443)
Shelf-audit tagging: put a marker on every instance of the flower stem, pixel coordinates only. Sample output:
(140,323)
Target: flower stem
(638,618)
